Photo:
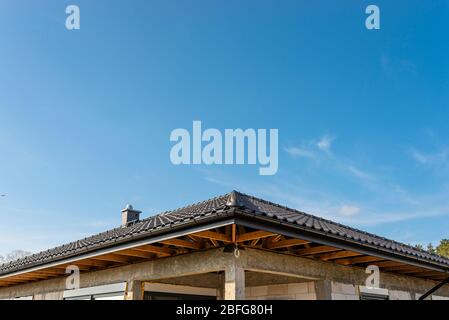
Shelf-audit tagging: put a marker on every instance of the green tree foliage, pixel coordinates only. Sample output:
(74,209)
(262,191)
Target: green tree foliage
(443,248)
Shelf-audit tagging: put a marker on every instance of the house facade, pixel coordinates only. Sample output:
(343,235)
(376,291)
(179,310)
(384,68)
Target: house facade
(231,247)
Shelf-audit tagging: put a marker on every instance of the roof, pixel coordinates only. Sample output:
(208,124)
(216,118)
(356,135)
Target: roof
(214,209)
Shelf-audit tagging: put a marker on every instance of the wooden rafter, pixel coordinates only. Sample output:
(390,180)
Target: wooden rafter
(29,276)
(268,241)
(430,274)
(158,250)
(316,250)
(182,243)
(112,257)
(387,264)
(43,274)
(136,253)
(80,266)
(48,271)
(358,260)
(412,270)
(10,281)
(194,238)
(285,243)
(402,269)
(92,263)
(213,235)
(253,235)
(339,255)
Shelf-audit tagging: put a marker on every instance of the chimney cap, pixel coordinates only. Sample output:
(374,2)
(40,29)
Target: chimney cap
(129,207)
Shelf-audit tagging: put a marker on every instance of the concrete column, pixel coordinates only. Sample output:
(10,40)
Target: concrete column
(234,284)
(134,290)
(323,289)
(221,286)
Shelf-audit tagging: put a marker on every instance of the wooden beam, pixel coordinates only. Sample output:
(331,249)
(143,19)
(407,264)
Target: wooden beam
(387,264)
(268,241)
(286,243)
(182,243)
(112,257)
(82,267)
(439,278)
(339,255)
(10,282)
(316,250)
(365,259)
(50,272)
(92,263)
(194,238)
(254,242)
(48,275)
(212,235)
(135,253)
(403,268)
(158,250)
(214,242)
(411,270)
(234,233)
(253,235)
(27,276)
(430,274)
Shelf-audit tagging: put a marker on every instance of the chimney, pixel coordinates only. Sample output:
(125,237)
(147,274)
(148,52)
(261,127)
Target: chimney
(129,215)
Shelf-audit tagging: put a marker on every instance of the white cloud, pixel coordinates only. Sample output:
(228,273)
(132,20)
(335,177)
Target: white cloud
(359,173)
(299,152)
(437,158)
(325,143)
(307,150)
(349,211)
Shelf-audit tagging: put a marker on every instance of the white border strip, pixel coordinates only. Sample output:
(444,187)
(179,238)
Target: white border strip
(89,291)
(374,291)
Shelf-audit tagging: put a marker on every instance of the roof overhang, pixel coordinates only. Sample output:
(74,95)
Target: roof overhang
(215,230)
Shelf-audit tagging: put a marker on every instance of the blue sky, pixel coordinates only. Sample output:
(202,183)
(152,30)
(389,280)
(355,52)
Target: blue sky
(86,115)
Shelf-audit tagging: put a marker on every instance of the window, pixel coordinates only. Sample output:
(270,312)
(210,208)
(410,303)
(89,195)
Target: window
(107,292)
(369,296)
(373,293)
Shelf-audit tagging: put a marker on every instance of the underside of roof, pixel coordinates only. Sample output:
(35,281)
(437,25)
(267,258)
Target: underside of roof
(254,213)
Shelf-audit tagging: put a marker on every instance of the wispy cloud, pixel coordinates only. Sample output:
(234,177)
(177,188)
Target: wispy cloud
(359,173)
(386,208)
(349,211)
(325,143)
(371,196)
(299,152)
(312,148)
(438,158)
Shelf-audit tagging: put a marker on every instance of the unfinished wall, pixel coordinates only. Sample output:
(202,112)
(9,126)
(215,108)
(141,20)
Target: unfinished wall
(342,291)
(345,280)
(290,291)
(400,295)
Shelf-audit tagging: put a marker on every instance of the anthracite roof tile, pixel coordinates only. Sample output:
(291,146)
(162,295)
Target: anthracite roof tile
(213,208)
